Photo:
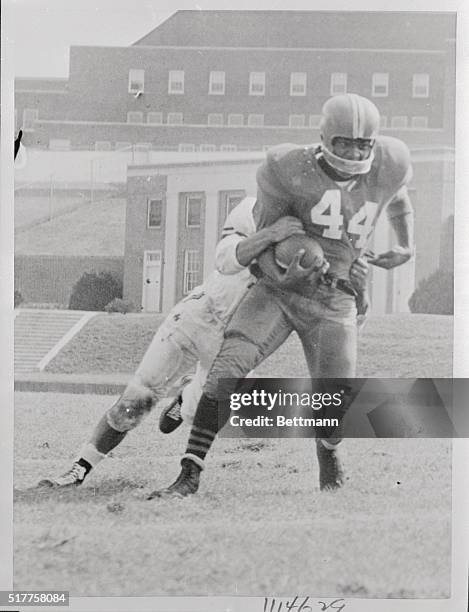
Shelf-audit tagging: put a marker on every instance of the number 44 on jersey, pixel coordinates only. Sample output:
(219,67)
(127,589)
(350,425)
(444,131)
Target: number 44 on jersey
(328,213)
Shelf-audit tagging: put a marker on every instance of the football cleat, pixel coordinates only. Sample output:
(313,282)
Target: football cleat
(187,483)
(74,477)
(352,117)
(331,475)
(170,417)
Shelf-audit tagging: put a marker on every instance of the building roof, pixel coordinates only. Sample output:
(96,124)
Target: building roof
(305,29)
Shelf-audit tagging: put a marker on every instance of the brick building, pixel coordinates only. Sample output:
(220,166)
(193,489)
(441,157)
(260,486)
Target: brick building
(209,80)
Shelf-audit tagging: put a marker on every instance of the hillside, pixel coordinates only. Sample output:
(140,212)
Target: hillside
(401,345)
(93,229)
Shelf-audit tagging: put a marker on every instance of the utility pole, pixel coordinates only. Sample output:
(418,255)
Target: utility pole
(51,196)
(92,181)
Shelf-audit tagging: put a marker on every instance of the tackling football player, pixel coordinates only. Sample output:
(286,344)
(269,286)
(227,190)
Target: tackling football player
(191,334)
(338,190)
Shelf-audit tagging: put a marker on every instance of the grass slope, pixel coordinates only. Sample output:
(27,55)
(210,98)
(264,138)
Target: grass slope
(401,345)
(97,229)
(258,526)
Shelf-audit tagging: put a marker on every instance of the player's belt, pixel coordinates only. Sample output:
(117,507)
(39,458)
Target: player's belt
(338,283)
(327,279)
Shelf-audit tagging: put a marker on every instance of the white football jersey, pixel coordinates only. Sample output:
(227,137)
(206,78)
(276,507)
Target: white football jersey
(228,283)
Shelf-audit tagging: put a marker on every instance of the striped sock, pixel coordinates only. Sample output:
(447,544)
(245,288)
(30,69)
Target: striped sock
(200,441)
(207,423)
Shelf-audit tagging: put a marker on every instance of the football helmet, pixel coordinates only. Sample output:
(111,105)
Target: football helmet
(353,117)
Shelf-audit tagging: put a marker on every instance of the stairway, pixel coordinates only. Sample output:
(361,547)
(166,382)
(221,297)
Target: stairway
(38,331)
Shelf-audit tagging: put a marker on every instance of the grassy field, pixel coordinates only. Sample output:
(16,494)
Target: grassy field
(403,345)
(258,526)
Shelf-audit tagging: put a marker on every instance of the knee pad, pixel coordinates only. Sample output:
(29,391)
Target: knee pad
(129,410)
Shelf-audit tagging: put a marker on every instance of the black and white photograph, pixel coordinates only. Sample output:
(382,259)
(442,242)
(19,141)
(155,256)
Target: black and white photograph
(210,209)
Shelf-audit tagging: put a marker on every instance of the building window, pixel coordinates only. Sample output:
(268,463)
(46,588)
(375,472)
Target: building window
(174,119)
(123,145)
(207,148)
(215,119)
(296,121)
(255,120)
(134,117)
(256,83)
(231,200)
(298,84)
(186,147)
(191,270)
(193,210)
(420,85)
(154,118)
(338,83)
(154,213)
(143,147)
(176,82)
(314,121)
(235,119)
(59,144)
(216,86)
(30,115)
(102,145)
(136,80)
(380,85)
(383,121)
(421,123)
(228,147)
(400,121)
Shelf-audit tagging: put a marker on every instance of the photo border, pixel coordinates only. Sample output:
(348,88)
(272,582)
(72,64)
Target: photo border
(460,479)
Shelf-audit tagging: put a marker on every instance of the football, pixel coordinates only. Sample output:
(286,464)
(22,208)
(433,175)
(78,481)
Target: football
(286,250)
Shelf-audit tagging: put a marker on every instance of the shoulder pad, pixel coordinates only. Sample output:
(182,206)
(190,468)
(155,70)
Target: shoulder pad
(392,162)
(281,151)
(288,161)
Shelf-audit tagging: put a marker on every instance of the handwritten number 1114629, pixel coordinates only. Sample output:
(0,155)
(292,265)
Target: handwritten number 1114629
(301,604)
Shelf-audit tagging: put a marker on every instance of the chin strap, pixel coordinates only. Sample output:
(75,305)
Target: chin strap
(347,166)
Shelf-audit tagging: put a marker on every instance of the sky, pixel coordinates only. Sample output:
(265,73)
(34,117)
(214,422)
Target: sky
(40,32)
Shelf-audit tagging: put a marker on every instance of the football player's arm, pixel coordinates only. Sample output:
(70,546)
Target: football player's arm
(252,246)
(235,252)
(241,244)
(401,217)
(272,204)
(359,279)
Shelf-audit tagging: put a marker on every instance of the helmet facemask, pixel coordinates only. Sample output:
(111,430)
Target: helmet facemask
(352,118)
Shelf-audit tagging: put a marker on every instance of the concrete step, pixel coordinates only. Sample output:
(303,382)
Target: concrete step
(37,332)
(37,326)
(21,336)
(32,354)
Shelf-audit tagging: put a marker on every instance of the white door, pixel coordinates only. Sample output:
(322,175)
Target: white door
(151,294)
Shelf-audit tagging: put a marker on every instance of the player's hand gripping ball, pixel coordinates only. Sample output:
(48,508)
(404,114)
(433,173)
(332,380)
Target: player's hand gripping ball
(286,250)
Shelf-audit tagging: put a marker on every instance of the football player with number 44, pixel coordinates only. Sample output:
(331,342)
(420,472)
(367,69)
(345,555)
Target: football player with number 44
(337,189)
